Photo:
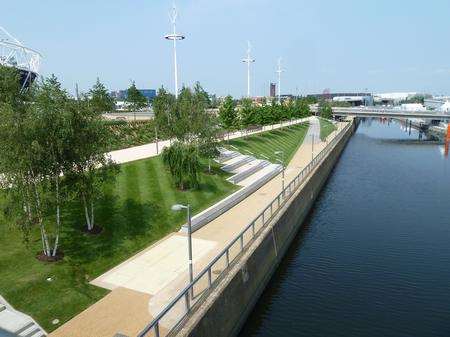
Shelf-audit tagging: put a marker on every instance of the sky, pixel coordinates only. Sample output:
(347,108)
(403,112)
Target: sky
(345,45)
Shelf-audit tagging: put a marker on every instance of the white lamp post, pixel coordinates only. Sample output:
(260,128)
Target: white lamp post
(249,61)
(174,37)
(279,71)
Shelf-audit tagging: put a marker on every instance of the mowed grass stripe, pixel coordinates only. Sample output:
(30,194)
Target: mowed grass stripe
(168,193)
(288,140)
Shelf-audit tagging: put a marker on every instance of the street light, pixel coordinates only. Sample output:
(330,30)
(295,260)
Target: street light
(248,60)
(281,161)
(174,37)
(279,71)
(312,145)
(176,208)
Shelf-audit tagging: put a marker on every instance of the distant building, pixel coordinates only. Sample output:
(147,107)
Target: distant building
(412,107)
(393,97)
(354,99)
(273,90)
(121,95)
(439,103)
(150,94)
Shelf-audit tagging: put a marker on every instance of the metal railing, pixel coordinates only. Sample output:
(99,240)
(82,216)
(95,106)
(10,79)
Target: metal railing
(192,294)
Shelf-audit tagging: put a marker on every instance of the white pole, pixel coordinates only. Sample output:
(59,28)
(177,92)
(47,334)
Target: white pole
(248,79)
(279,87)
(279,71)
(174,37)
(175,65)
(248,60)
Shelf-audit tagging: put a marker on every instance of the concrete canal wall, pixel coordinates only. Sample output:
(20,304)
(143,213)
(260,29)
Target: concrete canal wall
(232,299)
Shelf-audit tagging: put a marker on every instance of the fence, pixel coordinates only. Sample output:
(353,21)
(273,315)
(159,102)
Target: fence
(174,313)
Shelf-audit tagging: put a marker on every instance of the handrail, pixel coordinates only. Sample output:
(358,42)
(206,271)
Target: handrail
(279,201)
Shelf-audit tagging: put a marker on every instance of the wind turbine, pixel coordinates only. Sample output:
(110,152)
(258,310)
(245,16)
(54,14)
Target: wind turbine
(174,37)
(279,71)
(249,61)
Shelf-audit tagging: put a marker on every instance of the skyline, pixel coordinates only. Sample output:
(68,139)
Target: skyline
(388,47)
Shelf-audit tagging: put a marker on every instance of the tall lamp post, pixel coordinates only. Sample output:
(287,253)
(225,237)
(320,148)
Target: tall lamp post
(281,161)
(279,71)
(249,61)
(179,207)
(174,37)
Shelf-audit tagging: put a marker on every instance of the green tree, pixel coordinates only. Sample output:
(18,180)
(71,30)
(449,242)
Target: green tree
(90,167)
(33,158)
(194,128)
(135,98)
(301,108)
(10,86)
(184,164)
(100,100)
(228,117)
(246,113)
(325,110)
(163,107)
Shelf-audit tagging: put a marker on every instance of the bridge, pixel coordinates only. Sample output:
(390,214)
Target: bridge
(391,113)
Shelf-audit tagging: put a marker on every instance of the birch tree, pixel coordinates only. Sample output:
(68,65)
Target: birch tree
(91,168)
(33,129)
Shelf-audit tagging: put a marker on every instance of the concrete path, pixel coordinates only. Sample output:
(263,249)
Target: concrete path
(153,149)
(160,272)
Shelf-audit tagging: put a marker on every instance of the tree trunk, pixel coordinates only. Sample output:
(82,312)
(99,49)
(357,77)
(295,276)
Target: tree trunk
(92,214)
(86,214)
(45,244)
(209,165)
(58,217)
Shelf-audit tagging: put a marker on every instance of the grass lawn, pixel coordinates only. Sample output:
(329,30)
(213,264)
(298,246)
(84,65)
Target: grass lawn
(287,139)
(134,212)
(326,127)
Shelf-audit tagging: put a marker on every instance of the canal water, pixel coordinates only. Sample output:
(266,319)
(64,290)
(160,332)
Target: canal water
(373,259)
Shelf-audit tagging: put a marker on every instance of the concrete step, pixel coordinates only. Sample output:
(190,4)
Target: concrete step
(16,323)
(12,322)
(247,170)
(32,331)
(38,334)
(262,174)
(236,163)
(227,155)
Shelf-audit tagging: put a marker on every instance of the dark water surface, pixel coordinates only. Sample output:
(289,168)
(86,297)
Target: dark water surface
(374,257)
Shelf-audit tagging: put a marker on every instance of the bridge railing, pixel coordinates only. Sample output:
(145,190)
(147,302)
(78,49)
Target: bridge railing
(193,294)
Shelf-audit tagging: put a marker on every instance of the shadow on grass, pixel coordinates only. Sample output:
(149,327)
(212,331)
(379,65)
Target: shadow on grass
(121,221)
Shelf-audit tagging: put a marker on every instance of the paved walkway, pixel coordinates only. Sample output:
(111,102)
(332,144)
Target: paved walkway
(157,274)
(153,149)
